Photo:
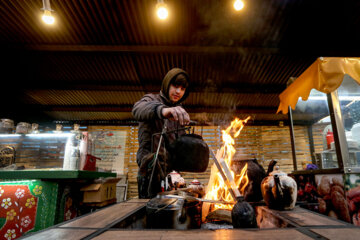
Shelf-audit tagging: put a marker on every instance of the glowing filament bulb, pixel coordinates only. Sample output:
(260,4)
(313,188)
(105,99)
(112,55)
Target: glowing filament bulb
(238,5)
(47,17)
(161,11)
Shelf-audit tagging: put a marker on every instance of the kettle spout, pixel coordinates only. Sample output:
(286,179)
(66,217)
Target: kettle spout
(271,167)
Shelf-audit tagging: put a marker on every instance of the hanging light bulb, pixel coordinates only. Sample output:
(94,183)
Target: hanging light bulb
(47,17)
(238,5)
(161,10)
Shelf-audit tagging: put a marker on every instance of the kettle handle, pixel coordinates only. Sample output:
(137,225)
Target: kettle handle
(279,191)
(271,167)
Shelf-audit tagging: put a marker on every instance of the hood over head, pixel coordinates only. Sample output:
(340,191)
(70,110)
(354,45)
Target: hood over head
(172,74)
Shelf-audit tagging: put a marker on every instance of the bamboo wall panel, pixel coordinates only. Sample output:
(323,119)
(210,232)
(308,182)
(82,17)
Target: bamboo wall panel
(132,165)
(302,147)
(318,136)
(276,145)
(249,143)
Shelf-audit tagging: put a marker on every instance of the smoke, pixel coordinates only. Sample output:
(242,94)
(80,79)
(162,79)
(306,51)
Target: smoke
(221,25)
(202,118)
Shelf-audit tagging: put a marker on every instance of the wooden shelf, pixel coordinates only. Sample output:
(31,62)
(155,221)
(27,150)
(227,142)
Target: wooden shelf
(318,171)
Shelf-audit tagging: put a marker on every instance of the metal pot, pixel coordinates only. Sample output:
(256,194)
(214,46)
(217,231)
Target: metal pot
(173,213)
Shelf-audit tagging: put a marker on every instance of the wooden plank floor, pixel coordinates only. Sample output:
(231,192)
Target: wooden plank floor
(82,227)
(97,225)
(339,233)
(303,217)
(136,200)
(310,219)
(61,234)
(102,218)
(278,234)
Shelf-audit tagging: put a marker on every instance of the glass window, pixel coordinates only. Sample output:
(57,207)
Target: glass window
(313,116)
(349,97)
(35,151)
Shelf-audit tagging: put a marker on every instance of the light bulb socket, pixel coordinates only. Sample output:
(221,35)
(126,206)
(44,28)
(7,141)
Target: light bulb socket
(44,9)
(46,6)
(160,4)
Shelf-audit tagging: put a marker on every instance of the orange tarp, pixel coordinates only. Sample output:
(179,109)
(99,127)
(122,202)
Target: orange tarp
(325,75)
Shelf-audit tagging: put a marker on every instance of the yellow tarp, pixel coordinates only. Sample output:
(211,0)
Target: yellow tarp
(325,75)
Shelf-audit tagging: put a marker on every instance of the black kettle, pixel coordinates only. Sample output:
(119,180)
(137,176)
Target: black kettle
(188,153)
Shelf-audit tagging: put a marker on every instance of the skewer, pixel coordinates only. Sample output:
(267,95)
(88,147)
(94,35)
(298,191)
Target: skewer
(226,181)
(199,199)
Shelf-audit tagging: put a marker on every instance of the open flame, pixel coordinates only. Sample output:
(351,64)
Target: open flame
(217,189)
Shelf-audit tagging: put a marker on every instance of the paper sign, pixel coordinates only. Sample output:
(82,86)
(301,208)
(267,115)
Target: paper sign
(109,145)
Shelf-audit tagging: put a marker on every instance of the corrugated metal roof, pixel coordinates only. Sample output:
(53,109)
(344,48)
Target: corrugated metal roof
(80,97)
(102,55)
(76,116)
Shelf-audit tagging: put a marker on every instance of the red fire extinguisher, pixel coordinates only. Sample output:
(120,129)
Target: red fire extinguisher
(329,138)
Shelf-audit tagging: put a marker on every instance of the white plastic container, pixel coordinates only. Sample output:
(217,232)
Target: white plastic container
(355,132)
(35,128)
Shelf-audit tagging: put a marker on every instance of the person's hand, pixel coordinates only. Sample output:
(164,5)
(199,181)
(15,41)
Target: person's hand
(176,114)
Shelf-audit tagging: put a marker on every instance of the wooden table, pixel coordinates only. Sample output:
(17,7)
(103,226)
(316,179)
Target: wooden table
(98,225)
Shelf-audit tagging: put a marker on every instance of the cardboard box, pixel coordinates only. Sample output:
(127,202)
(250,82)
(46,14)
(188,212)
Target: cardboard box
(100,192)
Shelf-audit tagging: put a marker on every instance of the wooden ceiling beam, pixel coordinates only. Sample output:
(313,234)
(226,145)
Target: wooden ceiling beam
(128,107)
(225,88)
(299,51)
(145,49)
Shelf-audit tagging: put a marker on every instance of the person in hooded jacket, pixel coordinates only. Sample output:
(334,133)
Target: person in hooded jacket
(152,110)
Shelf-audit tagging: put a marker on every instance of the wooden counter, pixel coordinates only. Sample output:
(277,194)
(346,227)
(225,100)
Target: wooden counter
(98,225)
(53,174)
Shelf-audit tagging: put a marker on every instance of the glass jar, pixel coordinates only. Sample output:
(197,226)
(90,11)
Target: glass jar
(23,128)
(76,127)
(6,125)
(58,128)
(35,128)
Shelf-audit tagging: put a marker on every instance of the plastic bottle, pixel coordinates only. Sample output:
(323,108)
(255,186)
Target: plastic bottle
(329,138)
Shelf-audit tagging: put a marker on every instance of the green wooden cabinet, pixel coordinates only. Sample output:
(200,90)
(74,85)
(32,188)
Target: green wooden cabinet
(32,200)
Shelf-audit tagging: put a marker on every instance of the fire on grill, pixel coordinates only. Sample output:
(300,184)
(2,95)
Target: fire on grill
(233,182)
(228,185)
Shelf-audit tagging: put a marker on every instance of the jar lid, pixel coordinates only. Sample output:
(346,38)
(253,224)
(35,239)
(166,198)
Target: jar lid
(174,173)
(7,120)
(24,124)
(195,182)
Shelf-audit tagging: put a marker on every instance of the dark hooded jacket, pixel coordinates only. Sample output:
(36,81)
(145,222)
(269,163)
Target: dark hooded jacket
(148,112)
